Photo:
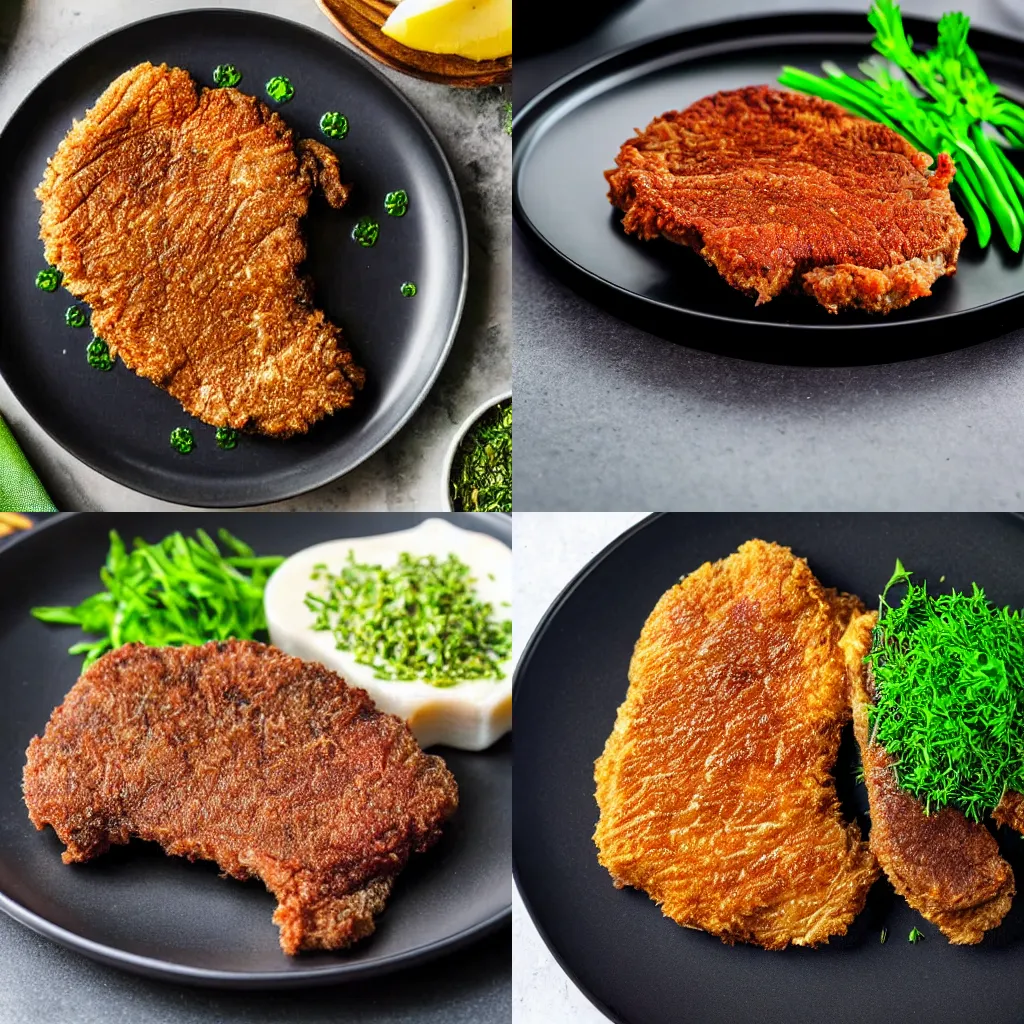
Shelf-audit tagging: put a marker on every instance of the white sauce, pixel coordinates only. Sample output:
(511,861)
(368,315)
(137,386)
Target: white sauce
(471,715)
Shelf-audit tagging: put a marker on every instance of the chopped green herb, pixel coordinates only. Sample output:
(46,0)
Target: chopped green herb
(941,101)
(915,935)
(883,936)
(396,203)
(227,438)
(49,280)
(226,76)
(97,354)
(366,232)
(280,89)
(182,590)
(949,680)
(74,316)
(409,289)
(182,440)
(481,479)
(418,619)
(506,116)
(334,125)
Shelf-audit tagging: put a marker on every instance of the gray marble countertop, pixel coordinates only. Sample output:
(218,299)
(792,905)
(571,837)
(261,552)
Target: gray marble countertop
(610,417)
(35,35)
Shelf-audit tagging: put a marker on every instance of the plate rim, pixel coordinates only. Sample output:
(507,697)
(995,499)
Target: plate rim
(524,659)
(690,40)
(328,475)
(254,980)
(522,665)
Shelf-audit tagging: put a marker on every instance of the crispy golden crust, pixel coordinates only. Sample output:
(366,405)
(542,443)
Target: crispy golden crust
(176,218)
(948,868)
(238,753)
(779,191)
(1011,811)
(715,787)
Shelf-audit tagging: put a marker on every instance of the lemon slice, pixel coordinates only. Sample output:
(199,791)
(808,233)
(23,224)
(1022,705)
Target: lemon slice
(477,29)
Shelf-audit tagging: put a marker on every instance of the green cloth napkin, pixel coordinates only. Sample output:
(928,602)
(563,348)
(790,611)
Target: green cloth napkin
(20,489)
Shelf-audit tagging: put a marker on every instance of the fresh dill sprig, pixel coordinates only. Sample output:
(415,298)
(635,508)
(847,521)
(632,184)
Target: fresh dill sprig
(941,101)
(949,708)
(915,936)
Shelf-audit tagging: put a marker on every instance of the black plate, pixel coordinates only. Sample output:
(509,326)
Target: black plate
(570,134)
(137,909)
(640,967)
(119,423)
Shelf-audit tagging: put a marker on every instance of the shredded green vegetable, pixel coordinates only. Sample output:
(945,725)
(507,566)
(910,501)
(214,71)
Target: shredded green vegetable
(941,101)
(418,619)
(481,476)
(182,590)
(949,680)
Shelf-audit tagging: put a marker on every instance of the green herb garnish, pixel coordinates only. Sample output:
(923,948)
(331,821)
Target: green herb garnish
(418,619)
(280,89)
(226,76)
(178,591)
(949,680)
(334,125)
(947,105)
(74,316)
(506,116)
(396,203)
(366,232)
(481,479)
(408,289)
(49,280)
(915,935)
(227,438)
(883,936)
(97,354)
(182,440)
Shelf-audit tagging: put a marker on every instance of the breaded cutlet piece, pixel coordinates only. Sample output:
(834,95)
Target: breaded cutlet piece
(238,753)
(947,867)
(715,787)
(784,192)
(176,217)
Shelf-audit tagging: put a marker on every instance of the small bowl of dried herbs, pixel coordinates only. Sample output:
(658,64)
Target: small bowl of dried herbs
(478,466)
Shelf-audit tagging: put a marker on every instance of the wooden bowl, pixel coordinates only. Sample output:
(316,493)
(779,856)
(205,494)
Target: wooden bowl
(360,21)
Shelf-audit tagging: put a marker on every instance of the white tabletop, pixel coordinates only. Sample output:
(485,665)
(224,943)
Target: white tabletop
(550,548)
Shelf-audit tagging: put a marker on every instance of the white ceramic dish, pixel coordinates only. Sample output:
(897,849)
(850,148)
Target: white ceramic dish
(470,715)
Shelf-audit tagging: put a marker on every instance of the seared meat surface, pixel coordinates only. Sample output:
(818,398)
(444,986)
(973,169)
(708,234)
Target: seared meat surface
(238,753)
(715,788)
(947,867)
(176,216)
(780,191)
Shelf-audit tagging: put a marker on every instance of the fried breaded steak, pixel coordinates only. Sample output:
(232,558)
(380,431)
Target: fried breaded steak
(947,867)
(176,217)
(238,753)
(780,191)
(715,787)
